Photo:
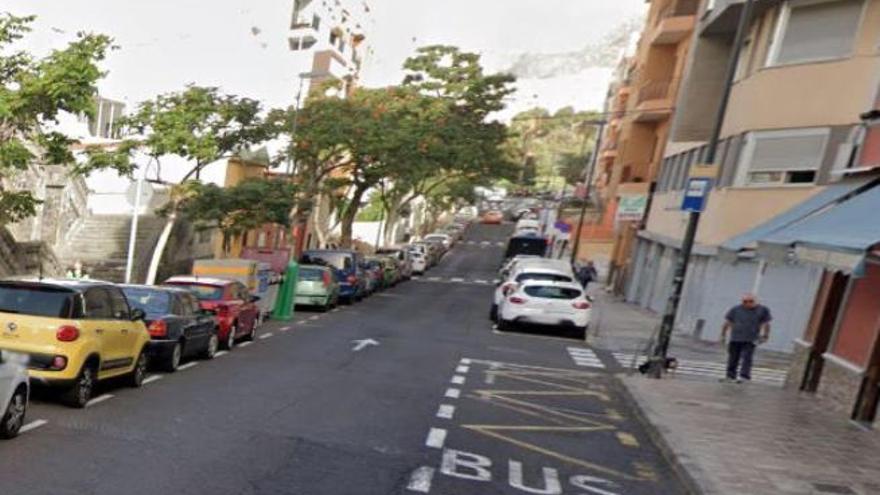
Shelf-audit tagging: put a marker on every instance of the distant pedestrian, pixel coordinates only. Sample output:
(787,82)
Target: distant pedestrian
(587,273)
(748,324)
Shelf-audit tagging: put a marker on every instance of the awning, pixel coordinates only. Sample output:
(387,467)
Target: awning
(837,237)
(744,243)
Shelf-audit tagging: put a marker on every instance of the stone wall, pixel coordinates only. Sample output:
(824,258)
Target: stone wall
(799,359)
(839,386)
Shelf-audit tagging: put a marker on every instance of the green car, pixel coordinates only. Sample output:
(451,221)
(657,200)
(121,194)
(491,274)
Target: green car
(317,286)
(389,270)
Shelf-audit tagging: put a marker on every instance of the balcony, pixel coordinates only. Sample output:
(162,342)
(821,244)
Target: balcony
(654,101)
(675,22)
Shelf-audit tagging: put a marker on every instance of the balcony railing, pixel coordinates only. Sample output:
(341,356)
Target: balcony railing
(654,90)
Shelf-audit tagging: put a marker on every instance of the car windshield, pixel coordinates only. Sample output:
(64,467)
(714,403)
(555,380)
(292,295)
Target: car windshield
(153,302)
(550,277)
(36,300)
(204,292)
(552,292)
(311,274)
(340,261)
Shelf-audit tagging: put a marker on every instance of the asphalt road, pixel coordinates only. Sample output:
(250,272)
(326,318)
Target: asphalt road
(443,405)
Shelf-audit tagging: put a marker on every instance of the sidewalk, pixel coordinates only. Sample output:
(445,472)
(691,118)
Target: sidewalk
(748,439)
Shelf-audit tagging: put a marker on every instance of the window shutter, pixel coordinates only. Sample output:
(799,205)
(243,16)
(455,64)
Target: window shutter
(788,152)
(820,30)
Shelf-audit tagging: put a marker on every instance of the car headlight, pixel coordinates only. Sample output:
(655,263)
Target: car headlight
(14,357)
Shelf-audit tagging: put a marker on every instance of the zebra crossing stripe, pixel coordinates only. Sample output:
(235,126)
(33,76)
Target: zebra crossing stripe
(585,357)
(711,369)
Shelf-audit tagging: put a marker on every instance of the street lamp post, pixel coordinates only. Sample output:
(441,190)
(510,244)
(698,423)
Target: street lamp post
(587,183)
(661,349)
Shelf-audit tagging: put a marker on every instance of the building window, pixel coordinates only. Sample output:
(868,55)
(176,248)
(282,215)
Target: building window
(782,157)
(815,30)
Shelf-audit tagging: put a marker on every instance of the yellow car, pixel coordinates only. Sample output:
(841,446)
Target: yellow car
(74,332)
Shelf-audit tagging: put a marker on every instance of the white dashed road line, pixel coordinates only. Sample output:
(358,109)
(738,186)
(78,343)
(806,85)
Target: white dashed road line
(221,354)
(244,344)
(436,438)
(462,369)
(99,399)
(453,393)
(284,329)
(456,279)
(191,364)
(302,322)
(313,318)
(446,411)
(152,378)
(458,380)
(266,336)
(465,361)
(420,480)
(33,425)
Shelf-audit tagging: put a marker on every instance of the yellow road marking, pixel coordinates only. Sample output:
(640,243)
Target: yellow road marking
(627,439)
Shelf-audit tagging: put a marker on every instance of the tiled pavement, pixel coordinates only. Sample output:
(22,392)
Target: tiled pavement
(748,439)
(752,440)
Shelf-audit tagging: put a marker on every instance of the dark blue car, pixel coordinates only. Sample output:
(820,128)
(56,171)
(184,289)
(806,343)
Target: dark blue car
(346,265)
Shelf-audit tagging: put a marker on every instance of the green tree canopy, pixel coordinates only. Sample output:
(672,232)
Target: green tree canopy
(33,92)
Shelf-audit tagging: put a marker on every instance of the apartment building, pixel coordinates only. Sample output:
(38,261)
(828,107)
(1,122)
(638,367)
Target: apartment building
(331,38)
(805,75)
(642,102)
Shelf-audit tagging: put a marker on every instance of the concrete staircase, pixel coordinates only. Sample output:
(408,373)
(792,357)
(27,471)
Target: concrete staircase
(100,243)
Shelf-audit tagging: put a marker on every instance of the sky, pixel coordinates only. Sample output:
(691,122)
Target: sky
(241,45)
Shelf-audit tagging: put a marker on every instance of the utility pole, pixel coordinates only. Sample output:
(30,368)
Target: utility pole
(587,185)
(658,360)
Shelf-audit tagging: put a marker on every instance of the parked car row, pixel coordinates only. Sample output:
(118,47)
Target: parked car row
(70,335)
(426,253)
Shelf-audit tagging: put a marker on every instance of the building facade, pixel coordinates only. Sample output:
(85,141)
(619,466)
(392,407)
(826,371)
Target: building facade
(802,80)
(641,105)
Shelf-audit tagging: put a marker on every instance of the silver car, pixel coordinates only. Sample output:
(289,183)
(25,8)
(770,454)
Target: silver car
(14,392)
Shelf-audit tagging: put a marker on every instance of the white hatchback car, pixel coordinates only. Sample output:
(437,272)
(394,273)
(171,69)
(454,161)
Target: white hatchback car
(530,269)
(419,262)
(545,303)
(14,392)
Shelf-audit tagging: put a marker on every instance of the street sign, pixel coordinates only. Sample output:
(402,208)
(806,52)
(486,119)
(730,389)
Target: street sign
(631,207)
(696,194)
(562,226)
(146,193)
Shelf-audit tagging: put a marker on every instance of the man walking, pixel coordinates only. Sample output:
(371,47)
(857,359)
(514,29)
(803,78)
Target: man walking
(747,323)
(586,274)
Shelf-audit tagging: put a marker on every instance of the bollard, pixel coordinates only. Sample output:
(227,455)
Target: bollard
(285,302)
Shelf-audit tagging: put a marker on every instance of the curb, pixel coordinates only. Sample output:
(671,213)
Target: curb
(682,470)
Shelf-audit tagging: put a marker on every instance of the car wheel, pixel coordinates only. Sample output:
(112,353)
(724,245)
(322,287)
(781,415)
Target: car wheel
(13,418)
(211,349)
(503,324)
(493,313)
(136,378)
(230,338)
(173,361)
(252,334)
(81,392)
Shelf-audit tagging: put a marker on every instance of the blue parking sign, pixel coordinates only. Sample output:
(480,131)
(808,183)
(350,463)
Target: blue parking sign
(696,194)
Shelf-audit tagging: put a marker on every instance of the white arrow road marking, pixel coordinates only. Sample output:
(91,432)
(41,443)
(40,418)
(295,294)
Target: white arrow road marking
(152,378)
(191,364)
(420,480)
(436,438)
(445,411)
(33,425)
(99,399)
(361,344)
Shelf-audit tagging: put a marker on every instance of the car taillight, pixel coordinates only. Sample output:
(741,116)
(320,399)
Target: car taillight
(581,305)
(158,328)
(58,363)
(326,277)
(517,300)
(67,333)
(352,279)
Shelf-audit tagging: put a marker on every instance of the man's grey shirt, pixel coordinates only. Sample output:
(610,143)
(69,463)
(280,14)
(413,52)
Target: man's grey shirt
(747,322)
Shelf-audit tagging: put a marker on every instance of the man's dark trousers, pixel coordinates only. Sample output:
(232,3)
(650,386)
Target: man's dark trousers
(736,352)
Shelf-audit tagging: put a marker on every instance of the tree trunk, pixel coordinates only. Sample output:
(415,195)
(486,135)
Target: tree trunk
(391,219)
(160,248)
(348,216)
